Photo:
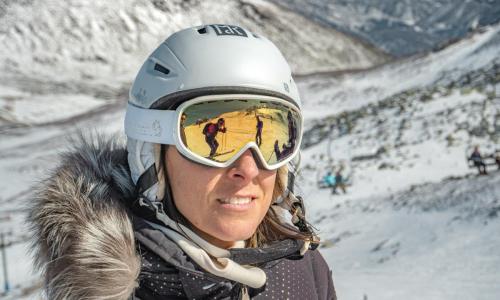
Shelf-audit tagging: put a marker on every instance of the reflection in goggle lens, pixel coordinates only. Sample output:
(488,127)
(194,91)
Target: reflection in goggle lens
(219,129)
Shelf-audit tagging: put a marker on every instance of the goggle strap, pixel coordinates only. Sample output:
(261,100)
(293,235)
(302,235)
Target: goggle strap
(291,181)
(150,125)
(147,180)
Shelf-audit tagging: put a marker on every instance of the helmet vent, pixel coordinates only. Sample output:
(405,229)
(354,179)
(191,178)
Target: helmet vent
(161,69)
(202,30)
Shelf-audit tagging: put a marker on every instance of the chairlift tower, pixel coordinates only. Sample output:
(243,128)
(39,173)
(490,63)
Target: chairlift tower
(3,246)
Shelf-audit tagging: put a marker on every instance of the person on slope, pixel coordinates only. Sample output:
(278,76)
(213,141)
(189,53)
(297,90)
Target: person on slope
(159,220)
(210,131)
(329,180)
(477,159)
(339,182)
(258,134)
(292,130)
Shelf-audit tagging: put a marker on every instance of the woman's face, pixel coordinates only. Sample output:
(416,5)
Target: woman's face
(223,204)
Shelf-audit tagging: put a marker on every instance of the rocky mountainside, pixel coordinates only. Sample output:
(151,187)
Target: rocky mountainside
(451,110)
(401,28)
(106,41)
(331,94)
(419,117)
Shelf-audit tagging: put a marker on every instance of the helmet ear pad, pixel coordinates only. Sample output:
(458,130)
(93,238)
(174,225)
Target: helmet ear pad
(141,157)
(164,193)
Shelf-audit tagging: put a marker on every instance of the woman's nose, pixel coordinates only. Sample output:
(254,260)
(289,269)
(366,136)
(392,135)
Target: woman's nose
(245,169)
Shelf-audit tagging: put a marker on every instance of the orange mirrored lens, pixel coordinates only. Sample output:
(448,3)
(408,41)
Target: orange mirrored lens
(217,130)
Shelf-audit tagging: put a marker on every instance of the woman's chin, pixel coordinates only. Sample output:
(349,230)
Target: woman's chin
(230,233)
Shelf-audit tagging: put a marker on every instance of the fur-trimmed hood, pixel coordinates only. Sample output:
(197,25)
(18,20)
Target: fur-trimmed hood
(82,237)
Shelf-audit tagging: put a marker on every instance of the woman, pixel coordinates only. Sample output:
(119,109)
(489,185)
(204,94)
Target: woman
(164,219)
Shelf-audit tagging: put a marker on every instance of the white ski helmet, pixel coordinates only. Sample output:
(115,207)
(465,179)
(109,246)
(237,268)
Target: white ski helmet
(204,60)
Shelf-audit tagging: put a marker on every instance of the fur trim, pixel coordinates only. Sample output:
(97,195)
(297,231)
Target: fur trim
(82,237)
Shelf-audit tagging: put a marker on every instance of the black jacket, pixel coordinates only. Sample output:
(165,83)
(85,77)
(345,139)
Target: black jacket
(168,273)
(88,244)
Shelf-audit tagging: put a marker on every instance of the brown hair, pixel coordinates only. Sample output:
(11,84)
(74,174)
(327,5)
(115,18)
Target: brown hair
(272,228)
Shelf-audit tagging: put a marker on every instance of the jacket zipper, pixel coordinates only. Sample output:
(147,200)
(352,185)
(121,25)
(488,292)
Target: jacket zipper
(244,293)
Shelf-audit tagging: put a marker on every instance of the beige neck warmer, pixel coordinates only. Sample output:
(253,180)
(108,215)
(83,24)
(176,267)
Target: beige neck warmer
(213,259)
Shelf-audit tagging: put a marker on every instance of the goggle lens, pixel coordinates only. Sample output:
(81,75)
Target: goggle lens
(217,130)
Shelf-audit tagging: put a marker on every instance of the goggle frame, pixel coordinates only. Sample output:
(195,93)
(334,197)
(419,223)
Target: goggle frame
(148,125)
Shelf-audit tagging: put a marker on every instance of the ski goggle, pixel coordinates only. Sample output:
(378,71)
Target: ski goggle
(216,130)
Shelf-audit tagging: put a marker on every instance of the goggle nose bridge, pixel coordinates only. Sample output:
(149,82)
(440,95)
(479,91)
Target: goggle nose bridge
(256,154)
(257,158)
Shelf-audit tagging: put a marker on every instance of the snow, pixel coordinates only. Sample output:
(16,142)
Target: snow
(401,28)
(23,111)
(416,223)
(352,91)
(432,247)
(95,41)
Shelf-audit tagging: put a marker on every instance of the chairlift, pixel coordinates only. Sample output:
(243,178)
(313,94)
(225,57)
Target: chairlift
(346,169)
(489,156)
(332,166)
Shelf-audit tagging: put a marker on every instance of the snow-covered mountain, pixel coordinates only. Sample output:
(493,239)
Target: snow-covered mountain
(475,55)
(410,116)
(106,41)
(416,222)
(401,27)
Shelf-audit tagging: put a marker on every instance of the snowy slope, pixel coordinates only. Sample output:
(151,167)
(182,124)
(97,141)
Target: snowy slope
(419,117)
(83,55)
(434,241)
(99,41)
(401,28)
(326,95)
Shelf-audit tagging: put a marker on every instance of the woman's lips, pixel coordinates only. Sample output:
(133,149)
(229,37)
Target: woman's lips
(237,203)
